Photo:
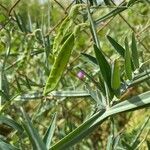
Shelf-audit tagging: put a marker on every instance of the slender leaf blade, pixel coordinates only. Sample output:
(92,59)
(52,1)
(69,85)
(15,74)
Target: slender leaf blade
(116,46)
(50,131)
(112,13)
(128,67)
(91,58)
(93,29)
(32,133)
(11,123)
(134,142)
(103,65)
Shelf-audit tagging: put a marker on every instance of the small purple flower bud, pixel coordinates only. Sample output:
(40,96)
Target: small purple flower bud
(81,74)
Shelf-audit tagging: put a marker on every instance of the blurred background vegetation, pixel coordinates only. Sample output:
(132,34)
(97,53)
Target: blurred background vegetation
(27,31)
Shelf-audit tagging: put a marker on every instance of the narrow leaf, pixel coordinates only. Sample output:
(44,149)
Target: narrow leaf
(103,65)
(146,72)
(18,21)
(11,123)
(91,58)
(116,46)
(109,145)
(50,131)
(112,13)
(70,93)
(116,11)
(139,80)
(93,29)
(128,68)
(34,137)
(134,143)
(38,95)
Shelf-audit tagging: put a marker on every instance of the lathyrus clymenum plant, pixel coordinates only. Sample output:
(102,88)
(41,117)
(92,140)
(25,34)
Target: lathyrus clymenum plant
(116,81)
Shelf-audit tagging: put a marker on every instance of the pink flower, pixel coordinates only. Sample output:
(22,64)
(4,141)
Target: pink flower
(81,75)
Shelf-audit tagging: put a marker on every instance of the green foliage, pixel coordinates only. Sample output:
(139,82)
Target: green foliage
(44,45)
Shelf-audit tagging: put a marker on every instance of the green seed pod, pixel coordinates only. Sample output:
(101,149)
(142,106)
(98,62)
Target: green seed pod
(115,75)
(60,64)
(128,67)
(59,36)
